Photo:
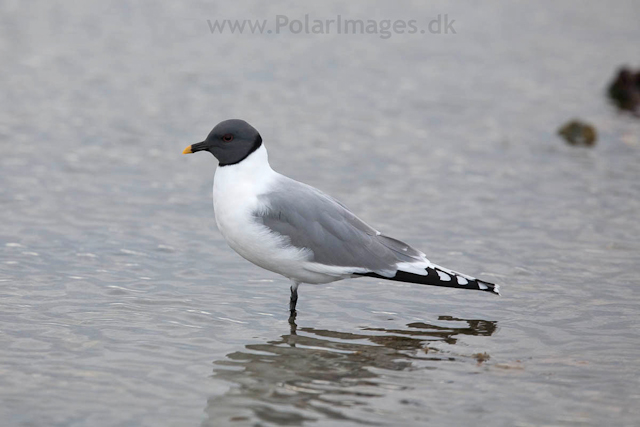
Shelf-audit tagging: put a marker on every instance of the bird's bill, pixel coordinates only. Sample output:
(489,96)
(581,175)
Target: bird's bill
(194,147)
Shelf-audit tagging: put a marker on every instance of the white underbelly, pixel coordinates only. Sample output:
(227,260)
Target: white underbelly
(256,243)
(236,191)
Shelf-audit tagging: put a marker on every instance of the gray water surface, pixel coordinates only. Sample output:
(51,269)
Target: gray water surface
(121,304)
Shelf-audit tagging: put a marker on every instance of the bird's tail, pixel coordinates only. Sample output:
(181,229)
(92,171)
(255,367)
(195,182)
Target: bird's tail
(440,276)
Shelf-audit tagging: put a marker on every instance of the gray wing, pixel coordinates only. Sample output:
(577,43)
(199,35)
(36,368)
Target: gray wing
(310,219)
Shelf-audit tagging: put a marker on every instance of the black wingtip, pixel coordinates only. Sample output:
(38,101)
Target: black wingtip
(439,276)
(490,287)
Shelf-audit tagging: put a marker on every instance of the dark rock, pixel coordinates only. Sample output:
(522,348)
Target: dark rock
(576,132)
(624,91)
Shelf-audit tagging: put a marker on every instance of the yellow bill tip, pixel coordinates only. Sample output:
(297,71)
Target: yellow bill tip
(187,150)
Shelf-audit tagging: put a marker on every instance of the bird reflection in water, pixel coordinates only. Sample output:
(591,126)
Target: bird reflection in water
(311,374)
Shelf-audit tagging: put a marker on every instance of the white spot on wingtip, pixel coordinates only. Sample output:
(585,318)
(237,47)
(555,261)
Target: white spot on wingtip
(482,286)
(496,289)
(454,273)
(378,233)
(443,276)
(413,267)
(461,280)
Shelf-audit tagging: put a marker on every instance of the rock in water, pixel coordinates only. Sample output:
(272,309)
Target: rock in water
(624,91)
(579,133)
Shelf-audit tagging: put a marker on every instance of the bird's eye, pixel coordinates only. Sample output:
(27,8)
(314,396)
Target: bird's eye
(227,137)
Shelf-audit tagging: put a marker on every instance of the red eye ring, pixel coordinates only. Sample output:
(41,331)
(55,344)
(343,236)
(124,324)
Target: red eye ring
(227,137)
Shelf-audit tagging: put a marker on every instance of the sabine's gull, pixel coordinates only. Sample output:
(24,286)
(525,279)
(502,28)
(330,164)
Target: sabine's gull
(297,231)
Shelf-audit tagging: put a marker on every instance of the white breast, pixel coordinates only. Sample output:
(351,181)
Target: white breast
(235,200)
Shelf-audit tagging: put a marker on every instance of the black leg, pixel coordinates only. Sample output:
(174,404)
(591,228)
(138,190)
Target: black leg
(293,301)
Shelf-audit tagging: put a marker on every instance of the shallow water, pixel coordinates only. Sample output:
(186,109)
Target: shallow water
(121,304)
